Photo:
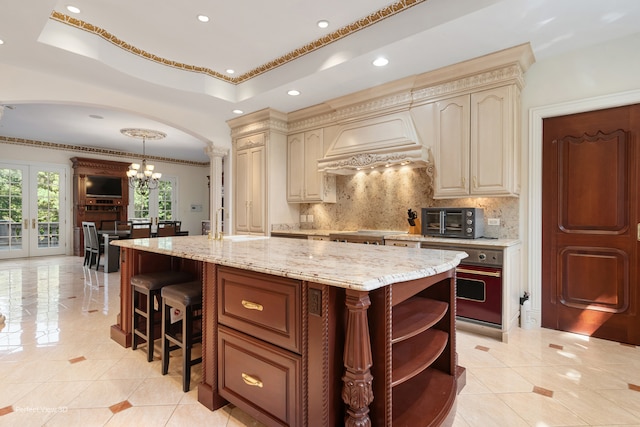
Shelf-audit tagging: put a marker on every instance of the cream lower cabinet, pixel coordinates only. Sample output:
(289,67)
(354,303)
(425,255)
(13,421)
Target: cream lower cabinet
(304,183)
(249,209)
(476,144)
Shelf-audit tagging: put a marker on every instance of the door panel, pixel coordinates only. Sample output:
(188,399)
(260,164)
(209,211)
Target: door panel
(590,216)
(32,215)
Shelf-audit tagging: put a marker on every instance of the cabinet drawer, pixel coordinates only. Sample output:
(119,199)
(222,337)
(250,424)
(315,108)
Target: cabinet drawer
(261,379)
(264,306)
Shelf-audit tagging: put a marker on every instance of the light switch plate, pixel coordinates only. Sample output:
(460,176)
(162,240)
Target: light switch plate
(303,218)
(309,218)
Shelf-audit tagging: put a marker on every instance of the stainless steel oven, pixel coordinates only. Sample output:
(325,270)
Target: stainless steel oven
(478,285)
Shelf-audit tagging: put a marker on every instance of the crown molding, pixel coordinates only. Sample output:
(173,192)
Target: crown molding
(347,30)
(91,150)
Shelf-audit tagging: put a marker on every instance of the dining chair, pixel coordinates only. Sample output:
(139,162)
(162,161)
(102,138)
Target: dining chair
(140,230)
(123,229)
(107,225)
(166,228)
(87,243)
(96,248)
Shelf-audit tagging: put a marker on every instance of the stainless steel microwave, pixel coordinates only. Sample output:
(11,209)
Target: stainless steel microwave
(465,223)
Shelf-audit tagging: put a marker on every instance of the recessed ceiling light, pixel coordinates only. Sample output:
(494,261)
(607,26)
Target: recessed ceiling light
(238,111)
(380,62)
(294,92)
(230,71)
(73,9)
(323,23)
(203,18)
(1,41)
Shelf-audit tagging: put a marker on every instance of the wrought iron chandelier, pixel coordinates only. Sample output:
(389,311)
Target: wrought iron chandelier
(142,177)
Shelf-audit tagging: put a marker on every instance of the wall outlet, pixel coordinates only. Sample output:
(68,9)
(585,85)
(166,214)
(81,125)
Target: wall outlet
(303,218)
(309,218)
(494,221)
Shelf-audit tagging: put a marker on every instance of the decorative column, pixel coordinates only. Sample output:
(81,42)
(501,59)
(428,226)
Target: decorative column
(357,390)
(216,154)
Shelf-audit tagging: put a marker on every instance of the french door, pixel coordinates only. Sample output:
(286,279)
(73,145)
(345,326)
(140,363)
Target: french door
(158,205)
(32,213)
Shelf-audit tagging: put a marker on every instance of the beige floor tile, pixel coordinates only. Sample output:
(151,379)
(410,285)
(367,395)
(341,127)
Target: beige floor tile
(196,414)
(142,416)
(80,418)
(626,399)
(596,409)
(502,380)
(52,395)
(539,410)
(84,370)
(473,385)
(488,411)
(475,358)
(27,417)
(11,393)
(104,393)
(157,391)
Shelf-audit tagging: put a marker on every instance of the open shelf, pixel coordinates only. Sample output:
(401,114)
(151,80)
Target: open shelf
(425,400)
(415,316)
(414,355)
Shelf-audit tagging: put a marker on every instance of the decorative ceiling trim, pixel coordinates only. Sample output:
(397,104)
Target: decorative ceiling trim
(317,44)
(93,150)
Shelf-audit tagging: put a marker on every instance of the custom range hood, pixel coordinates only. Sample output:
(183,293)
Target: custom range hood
(375,143)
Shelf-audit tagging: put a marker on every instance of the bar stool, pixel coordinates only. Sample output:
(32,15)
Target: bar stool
(146,287)
(186,297)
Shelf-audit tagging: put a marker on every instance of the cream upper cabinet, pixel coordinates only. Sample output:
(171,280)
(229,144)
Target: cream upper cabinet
(451,119)
(304,183)
(476,150)
(249,209)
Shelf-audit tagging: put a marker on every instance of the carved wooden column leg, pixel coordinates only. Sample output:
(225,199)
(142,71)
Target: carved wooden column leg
(357,392)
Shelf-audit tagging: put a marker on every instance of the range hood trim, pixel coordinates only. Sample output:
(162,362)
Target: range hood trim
(389,140)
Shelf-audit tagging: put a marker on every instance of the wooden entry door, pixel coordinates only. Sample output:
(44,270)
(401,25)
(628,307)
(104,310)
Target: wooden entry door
(591,224)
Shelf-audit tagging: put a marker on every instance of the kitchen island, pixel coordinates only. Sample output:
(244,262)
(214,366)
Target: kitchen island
(299,332)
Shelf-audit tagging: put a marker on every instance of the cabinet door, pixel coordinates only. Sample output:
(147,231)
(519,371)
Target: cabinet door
(241,210)
(250,191)
(295,167)
(493,142)
(451,148)
(257,214)
(313,180)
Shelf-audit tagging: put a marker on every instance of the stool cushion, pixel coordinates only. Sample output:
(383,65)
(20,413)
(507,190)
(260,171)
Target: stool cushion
(159,279)
(185,293)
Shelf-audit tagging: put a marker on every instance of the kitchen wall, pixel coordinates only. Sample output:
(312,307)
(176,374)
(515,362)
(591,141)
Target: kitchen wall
(380,200)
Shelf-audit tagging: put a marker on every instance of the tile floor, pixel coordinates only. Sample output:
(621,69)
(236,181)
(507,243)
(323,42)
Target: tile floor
(58,366)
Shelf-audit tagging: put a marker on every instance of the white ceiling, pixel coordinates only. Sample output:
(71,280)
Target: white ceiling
(246,35)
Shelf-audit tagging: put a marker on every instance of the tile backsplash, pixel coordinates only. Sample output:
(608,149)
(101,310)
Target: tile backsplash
(380,200)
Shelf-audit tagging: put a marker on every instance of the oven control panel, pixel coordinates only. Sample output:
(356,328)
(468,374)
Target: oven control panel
(488,257)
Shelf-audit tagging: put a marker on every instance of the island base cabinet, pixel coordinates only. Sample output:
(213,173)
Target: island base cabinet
(261,379)
(412,329)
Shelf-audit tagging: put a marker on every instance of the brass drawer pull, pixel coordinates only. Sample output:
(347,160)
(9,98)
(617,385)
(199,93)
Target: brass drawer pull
(249,380)
(252,305)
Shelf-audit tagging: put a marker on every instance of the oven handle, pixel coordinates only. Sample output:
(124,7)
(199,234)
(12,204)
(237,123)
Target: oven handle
(479,272)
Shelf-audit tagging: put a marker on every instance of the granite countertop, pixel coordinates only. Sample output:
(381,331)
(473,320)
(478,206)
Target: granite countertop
(481,242)
(359,267)
(306,232)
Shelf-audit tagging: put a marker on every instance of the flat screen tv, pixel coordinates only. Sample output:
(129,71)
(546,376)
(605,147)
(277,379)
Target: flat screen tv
(103,186)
